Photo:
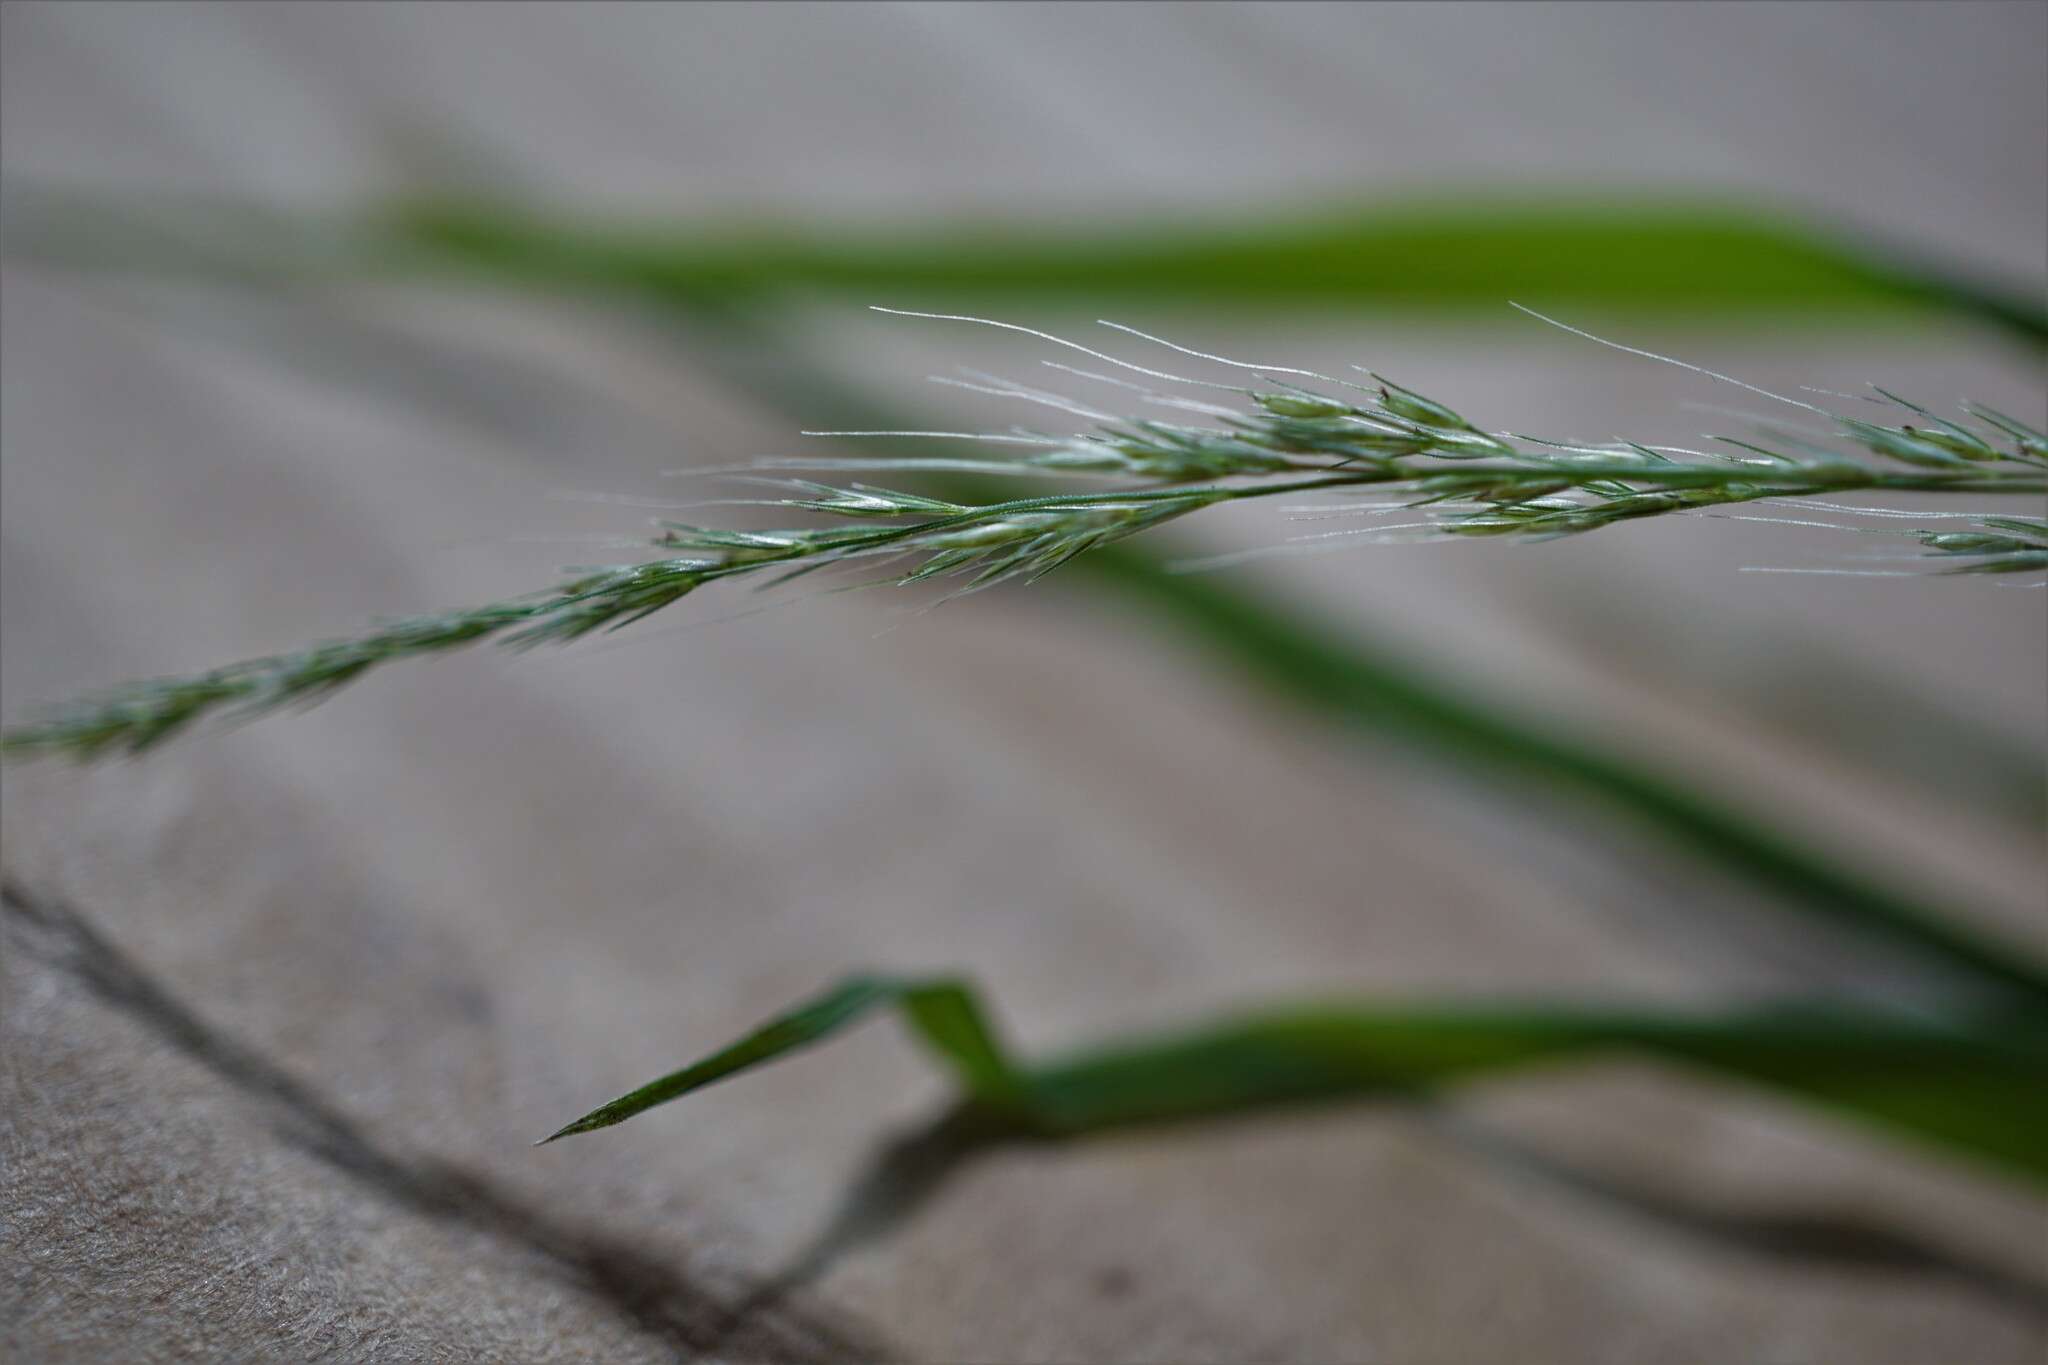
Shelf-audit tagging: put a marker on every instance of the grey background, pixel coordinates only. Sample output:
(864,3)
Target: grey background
(352,961)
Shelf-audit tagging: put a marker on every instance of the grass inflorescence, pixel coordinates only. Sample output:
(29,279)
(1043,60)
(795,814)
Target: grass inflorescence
(1276,438)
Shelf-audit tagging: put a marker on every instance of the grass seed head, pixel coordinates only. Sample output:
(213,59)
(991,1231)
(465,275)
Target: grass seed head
(1471,484)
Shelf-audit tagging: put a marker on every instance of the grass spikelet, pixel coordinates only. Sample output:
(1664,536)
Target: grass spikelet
(1281,438)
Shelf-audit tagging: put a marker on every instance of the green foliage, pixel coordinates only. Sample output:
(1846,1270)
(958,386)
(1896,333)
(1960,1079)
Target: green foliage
(1595,254)
(1980,1089)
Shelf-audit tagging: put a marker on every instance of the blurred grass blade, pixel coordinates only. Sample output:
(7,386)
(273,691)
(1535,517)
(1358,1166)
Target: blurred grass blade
(1597,254)
(1978,1091)
(1981,1091)
(1267,641)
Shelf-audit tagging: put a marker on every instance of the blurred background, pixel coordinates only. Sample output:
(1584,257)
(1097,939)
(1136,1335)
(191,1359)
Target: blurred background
(316,314)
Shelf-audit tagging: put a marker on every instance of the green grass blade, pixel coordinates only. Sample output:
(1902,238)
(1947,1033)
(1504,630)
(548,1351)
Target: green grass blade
(1975,1092)
(1980,1091)
(1264,639)
(1596,253)
(943,1014)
